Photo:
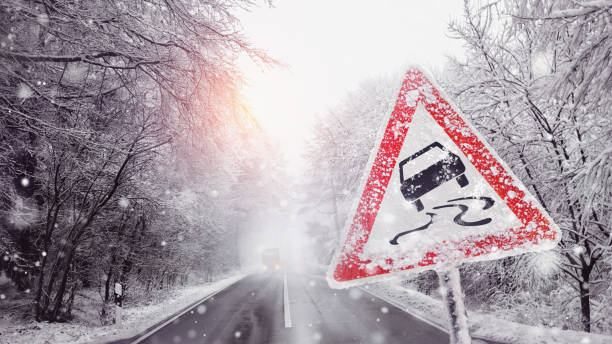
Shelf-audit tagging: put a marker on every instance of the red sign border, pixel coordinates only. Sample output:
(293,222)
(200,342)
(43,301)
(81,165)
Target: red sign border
(538,232)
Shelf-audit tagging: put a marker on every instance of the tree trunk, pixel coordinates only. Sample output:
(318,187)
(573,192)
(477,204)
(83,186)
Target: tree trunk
(46,293)
(107,283)
(71,298)
(39,290)
(585,306)
(59,296)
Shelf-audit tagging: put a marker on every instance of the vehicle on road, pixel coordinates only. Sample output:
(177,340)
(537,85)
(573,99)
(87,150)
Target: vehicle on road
(270,258)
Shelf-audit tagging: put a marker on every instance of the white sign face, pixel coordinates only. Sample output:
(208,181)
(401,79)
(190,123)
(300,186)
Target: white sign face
(442,203)
(435,194)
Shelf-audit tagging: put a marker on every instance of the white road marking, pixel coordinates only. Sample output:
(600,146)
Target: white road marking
(286,303)
(148,333)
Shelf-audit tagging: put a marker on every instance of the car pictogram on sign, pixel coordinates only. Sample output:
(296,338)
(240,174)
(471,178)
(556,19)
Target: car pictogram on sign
(446,166)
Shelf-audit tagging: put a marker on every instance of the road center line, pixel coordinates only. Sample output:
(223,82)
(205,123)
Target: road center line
(286,303)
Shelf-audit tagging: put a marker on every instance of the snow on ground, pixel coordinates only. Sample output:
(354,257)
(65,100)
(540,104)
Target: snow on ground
(482,325)
(134,320)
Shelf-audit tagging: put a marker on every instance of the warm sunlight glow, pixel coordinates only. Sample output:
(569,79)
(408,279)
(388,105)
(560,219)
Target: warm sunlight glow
(272,99)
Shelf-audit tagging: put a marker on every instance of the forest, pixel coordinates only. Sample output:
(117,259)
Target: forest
(126,153)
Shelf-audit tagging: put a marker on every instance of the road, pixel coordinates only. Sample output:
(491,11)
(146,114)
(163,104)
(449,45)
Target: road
(253,311)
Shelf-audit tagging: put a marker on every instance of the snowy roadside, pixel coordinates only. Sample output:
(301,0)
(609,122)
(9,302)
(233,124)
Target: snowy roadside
(481,325)
(134,320)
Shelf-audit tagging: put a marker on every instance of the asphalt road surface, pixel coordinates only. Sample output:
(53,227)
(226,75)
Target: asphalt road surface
(253,311)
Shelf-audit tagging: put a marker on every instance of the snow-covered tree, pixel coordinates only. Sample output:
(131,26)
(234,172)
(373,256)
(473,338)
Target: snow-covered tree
(120,124)
(537,81)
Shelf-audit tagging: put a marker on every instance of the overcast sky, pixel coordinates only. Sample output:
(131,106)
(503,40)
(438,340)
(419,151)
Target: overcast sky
(330,47)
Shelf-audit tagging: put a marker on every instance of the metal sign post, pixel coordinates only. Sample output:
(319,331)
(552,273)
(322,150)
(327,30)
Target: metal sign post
(450,288)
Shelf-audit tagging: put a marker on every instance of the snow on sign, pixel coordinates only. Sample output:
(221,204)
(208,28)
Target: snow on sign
(435,194)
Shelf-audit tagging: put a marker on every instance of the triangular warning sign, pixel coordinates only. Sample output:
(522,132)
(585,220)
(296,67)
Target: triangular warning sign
(435,194)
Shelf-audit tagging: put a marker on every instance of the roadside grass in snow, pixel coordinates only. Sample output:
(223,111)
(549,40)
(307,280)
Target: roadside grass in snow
(481,324)
(85,328)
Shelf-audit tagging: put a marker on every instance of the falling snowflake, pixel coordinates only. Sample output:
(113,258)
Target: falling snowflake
(545,264)
(42,19)
(24,91)
(124,202)
(163,243)
(355,293)
(578,250)
(25,182)
(378,338)
(384,310)
(192,333)
(201,309)
(237,334)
